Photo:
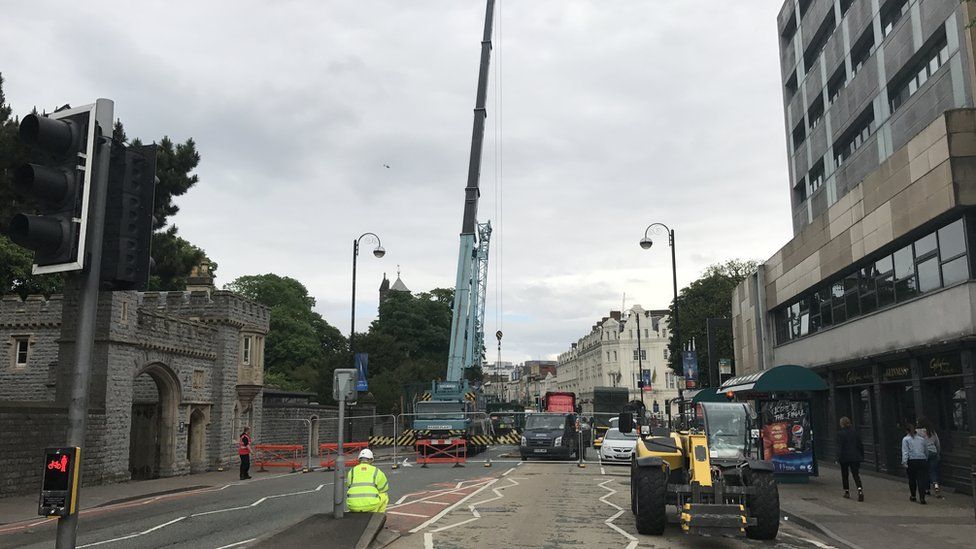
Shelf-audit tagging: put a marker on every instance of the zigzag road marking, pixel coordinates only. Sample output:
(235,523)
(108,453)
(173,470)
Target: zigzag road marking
(615,516)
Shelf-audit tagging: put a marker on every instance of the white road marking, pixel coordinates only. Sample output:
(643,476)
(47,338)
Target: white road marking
(135,535)
(615,516)
(603,471)
(447,510)
(261,500)
(428,540)
(505,474)
(236,544)
(474,511)
(406,514)
(399,501)
(433,494)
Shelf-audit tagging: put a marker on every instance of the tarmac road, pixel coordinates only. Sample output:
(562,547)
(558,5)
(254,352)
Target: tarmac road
(226,515)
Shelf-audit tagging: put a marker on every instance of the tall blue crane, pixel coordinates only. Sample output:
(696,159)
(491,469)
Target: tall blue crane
(467,323)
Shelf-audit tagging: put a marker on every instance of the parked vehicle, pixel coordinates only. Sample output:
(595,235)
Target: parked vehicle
(617,447)
(550,435)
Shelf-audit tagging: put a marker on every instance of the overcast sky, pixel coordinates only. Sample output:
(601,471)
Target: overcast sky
(614,114)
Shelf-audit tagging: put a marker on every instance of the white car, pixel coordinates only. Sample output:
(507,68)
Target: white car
(617,447)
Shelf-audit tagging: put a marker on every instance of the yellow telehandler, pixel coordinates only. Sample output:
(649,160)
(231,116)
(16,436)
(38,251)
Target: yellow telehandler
(704,467)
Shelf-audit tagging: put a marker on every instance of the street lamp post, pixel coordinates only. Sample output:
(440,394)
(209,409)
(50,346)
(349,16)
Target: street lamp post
(646,244)
(339,499)
(378,252)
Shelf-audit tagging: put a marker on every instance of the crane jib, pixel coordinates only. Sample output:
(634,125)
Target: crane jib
(467,330)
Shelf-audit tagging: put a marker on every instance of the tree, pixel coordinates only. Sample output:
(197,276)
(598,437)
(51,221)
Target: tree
(301,348)
(173,256)
(710,296)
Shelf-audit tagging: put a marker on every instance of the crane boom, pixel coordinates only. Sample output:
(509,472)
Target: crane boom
(471,271)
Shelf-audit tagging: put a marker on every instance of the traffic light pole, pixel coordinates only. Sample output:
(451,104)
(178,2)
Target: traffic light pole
(88,280)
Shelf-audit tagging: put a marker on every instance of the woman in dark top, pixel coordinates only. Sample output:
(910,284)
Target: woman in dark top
(850,454)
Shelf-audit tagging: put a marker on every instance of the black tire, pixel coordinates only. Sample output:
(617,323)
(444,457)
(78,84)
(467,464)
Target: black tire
(651,500)
(764,506)
(633,486)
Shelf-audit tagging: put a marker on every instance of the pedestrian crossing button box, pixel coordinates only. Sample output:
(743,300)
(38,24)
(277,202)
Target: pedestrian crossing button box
(59,487)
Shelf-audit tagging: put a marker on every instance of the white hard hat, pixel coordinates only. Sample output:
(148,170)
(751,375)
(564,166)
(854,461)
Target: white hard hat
(366,453)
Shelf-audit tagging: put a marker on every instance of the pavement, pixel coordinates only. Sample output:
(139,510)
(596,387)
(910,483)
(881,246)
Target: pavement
(885,519)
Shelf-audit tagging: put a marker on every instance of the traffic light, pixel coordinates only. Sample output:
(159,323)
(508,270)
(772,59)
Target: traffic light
(129,217)
(58,181)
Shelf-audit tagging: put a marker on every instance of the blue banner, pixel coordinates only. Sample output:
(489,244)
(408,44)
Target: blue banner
(362,365)
(646,378)
(689,364)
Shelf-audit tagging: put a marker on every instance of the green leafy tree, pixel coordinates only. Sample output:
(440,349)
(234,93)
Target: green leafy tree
(710,296)
(301,348)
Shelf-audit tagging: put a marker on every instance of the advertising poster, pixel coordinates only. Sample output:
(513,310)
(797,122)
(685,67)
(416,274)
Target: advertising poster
(787,440)
(689,364)
(646,379)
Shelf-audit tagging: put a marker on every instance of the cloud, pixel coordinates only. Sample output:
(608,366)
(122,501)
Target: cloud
(603,117)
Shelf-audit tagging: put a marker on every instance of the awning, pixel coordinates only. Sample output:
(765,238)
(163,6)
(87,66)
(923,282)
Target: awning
(781,379)
(708,394)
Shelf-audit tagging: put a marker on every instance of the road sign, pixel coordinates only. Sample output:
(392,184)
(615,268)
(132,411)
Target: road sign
(724,366)
(344,384)
(59,486)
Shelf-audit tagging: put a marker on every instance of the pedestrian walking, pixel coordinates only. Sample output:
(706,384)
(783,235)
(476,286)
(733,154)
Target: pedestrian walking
(935,451)
(244,451)
(850,454)
(915,459)
(366,486)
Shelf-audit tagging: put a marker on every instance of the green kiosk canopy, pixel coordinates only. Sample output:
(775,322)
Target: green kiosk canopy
(787,378)
(708,394)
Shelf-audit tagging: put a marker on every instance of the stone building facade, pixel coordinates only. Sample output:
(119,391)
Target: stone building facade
(175,377)
(608,357)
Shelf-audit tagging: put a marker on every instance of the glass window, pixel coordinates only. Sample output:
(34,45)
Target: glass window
(826,318)
(905,288)
(903,263)
(850,295)
(884,265)
(925,245)
(928,275)
(952,240)
(247,350)
(886,289)
(956,270)
(960,413)
(21,359)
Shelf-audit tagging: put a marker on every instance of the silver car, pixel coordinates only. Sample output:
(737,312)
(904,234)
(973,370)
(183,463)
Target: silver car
(617,447)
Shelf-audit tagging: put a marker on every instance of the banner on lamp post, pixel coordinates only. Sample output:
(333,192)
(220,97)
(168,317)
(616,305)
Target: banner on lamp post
(689,364)
(646,380)
(362,365)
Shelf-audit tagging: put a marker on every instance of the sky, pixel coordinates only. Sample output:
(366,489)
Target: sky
(604,116)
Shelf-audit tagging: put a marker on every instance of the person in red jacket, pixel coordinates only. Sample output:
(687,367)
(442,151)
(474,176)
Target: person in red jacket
(244,450)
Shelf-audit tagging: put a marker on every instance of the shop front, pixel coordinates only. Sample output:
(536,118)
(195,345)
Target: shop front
(881,396)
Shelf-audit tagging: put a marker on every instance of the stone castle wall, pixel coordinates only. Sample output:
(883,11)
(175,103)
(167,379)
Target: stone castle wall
(178,349)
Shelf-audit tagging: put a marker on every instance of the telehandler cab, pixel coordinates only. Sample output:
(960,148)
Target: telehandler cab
(705,469)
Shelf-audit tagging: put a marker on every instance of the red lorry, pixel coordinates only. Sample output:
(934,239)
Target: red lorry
(559,402)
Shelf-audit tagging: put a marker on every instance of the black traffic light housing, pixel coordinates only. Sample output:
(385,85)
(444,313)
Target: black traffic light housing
(129,217)
(58,180)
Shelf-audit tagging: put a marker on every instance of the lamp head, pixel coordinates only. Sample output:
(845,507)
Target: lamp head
(646,243)
(379,251)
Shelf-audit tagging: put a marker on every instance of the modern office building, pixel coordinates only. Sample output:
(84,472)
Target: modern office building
(875,290)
